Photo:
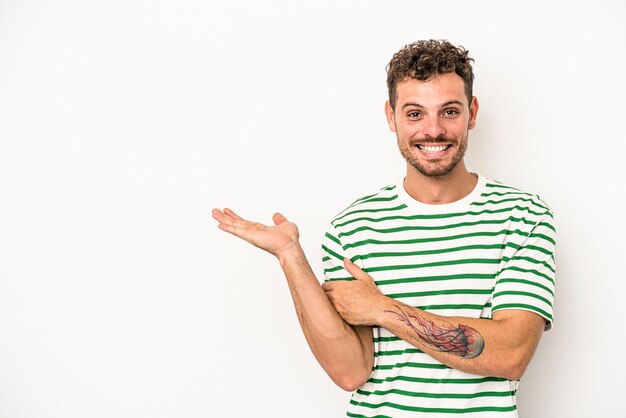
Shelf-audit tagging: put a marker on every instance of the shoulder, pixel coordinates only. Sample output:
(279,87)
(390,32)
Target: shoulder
(384,199)
(500,195)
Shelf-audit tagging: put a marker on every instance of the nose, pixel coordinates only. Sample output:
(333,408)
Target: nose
(433,127)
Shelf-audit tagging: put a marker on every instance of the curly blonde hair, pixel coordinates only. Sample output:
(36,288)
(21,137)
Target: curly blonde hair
(423,60)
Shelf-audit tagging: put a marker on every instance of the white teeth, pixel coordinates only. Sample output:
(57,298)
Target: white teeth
(429,148)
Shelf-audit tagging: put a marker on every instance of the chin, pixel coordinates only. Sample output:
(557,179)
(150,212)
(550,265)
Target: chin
(439,172)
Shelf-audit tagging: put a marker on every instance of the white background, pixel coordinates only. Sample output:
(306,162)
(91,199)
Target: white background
(122,123)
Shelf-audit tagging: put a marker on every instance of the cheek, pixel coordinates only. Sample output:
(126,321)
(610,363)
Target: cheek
(405,131)
(456,130)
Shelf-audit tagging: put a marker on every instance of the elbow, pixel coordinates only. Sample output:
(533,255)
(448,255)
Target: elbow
(350,377)
(349,383)
(515,369)
(514,374)
(351,380)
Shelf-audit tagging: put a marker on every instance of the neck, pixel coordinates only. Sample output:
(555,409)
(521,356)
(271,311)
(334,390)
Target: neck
(440,190)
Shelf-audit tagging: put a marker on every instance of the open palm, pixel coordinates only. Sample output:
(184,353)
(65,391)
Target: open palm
(273,239)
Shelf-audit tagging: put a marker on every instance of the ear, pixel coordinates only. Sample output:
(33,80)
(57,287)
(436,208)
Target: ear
(473,110)
(390,117)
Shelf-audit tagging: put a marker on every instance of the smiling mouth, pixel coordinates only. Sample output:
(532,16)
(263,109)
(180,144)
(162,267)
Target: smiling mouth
(433,148)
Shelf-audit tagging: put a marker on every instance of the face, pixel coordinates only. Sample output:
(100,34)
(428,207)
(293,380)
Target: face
(431,121)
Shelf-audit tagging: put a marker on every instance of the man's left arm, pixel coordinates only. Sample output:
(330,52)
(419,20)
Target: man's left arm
(501,346)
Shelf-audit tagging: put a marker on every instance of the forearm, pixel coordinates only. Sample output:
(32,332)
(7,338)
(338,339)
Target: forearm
(501,347)
(345,353)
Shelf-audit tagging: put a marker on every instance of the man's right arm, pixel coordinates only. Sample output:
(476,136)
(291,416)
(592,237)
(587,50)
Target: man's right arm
(345,352)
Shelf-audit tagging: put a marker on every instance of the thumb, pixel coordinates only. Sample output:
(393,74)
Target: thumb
(278,218)
(354,270)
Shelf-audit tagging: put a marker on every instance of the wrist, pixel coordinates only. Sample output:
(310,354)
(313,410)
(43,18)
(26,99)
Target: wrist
(290,253)
(381,310)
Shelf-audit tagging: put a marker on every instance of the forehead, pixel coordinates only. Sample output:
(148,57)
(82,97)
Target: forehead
(440,89)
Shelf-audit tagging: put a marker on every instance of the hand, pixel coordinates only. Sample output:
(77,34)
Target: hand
(275,239)
(357,301)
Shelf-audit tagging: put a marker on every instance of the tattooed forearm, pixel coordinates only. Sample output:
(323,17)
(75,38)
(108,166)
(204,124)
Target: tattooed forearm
(461,341)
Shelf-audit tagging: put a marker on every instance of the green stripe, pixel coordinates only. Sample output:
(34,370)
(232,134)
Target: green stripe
(513,199)
(331,252)
(543,236)
(436,410)
(519,293)
(436,395)
(350,414)
(438,239)
(442,215)
(434,264)
(505,232)
(333,239)
(522,306)
(435,278)
(386,339)
(441,292)
(339,279)
(436,227)
(547,225)
(530,260)
(518,192)
(521,270)
(430,252)
(411,364)
(500,185)
(454,306)
(474,380)
(361,199)
(400,207)
(398,352)
(540,249)
(381,199)
(333,269)
(528,282)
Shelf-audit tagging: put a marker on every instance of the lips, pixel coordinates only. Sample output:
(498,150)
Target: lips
(433,148)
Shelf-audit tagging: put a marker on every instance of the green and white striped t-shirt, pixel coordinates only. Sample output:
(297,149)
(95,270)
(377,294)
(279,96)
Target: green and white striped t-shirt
(492,250)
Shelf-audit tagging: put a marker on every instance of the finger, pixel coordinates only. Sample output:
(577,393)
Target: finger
(242,222)
(238,231)
(218,215)
(327,287)
(233,214)
(230,214)
(229,217)
(354,270)
(222,218)
(227,227)
(278,218)
(229,224)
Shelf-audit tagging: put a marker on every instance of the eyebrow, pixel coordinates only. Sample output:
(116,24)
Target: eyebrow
(448,103)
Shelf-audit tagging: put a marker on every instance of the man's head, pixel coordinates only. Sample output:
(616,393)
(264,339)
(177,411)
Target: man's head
(424,60)
(431,107)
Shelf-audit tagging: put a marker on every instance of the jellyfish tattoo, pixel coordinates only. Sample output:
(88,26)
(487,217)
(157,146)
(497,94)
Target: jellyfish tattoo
(462,341)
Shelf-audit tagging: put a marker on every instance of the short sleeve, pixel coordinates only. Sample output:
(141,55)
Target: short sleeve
(526,280)
(332,257)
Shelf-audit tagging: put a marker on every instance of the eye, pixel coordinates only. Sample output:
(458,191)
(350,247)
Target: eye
(450,112)
(414,114)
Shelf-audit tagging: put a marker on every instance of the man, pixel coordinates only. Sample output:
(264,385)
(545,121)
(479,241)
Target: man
(437,288)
